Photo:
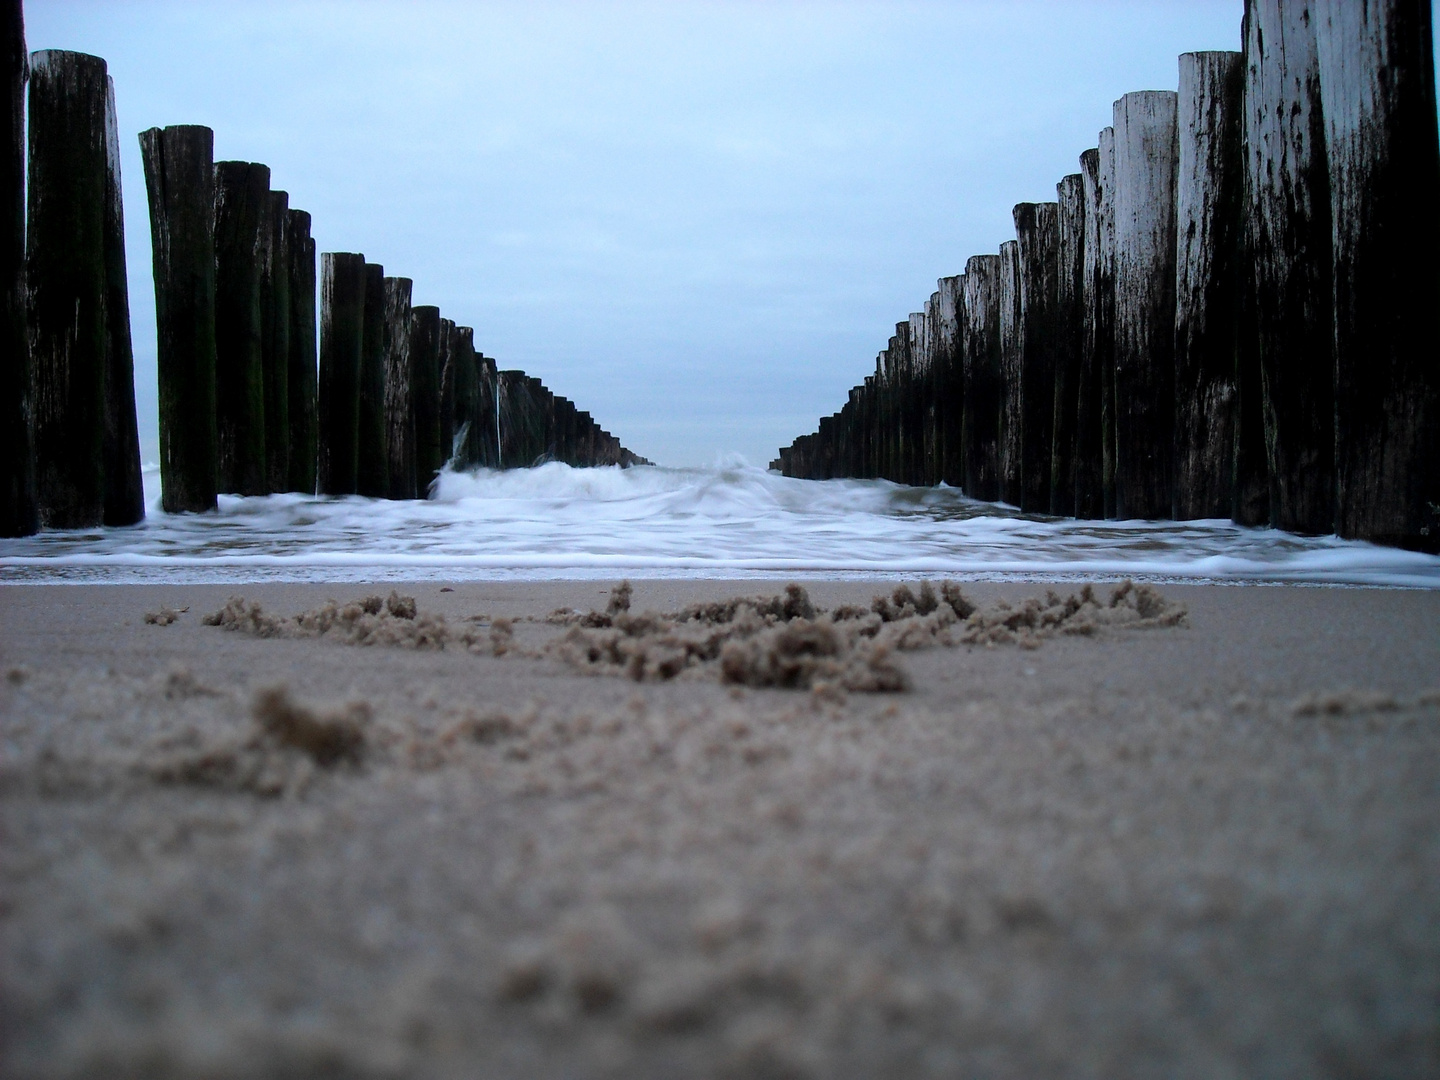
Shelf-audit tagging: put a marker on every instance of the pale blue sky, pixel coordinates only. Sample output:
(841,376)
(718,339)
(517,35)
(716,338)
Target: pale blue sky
(698,220)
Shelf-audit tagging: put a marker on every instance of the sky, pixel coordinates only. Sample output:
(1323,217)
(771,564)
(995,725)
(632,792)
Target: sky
(699,221)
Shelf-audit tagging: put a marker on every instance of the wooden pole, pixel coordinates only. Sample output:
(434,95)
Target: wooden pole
(425,386)
(915,384)
(1069,328)
(124,486)
(242,193)
(467,398)
(65,258)
(1209,223)
(372,472)
(179,182)
(1089,497)
(1377,81)
(1105,319)
(1011,361)
(1037,234)
(488,428)
(19,515)
(275,317)
(981,361)
(303,406)
(1145,166)
(342,333)
(399,390)
(950,313)
(447,390)
(1289,250)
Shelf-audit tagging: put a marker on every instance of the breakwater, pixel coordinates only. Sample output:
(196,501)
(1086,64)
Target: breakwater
(259,392)
(1227,312)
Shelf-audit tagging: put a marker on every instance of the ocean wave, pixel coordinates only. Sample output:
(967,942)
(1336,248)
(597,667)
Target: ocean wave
(730,520)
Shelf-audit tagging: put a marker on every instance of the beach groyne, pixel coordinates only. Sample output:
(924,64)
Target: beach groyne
(258,391)
(1229,311)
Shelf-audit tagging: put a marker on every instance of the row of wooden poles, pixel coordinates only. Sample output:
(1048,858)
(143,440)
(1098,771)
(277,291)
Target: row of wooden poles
(1232,310)
(399,391)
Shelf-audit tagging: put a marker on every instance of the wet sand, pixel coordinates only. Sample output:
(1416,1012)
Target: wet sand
(1204,850)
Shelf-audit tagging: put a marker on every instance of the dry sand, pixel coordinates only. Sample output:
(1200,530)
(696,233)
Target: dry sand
(1202,850)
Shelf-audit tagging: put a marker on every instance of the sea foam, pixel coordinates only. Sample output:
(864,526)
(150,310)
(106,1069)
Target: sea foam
(727,521)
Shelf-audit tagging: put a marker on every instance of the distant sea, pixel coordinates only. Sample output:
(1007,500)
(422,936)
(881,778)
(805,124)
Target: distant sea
(728,521)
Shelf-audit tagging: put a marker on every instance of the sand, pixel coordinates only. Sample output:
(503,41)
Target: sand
(1204,849)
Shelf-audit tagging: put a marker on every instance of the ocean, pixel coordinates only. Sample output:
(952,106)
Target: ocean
(728,521)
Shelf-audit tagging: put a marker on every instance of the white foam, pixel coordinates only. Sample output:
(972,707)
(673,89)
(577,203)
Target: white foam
(731,520)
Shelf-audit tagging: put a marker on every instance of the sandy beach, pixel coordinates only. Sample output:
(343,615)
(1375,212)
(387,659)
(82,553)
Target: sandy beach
(1204,849)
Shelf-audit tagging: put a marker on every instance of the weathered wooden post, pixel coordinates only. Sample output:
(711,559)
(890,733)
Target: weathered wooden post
(1145,164)
(488,415)
(1377,81)
(399,390)
(1094,433)
(466,393)
(1069,328)
(303,406)
(1037,235)
(1289,250)
(242,194)
(425,388)
(124,486)
(915,384)
(65,258)
(372,473)
(180,182)
(1011,365)
(19,515)
(447,390)
(1209,224)
(949,314)
(981,357)
(902,431)
(275,317)
(342,333)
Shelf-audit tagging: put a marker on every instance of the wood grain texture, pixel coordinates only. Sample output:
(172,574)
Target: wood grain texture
(399,390)
(66,275)
(342,331)
(19,515)
(1145,172)
(179,183)
(1012,358)
(425,375)
(242,193)
(303,378)
(1289,249)
(981,364)
(1377,81)
(372,472)
(275,316)
(1069,326)
(1209,234)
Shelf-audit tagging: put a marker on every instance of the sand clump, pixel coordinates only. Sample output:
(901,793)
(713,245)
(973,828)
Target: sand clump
(287,743)
(785,641)
(781,641)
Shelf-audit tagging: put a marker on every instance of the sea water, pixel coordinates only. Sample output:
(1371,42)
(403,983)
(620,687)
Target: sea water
(728,521)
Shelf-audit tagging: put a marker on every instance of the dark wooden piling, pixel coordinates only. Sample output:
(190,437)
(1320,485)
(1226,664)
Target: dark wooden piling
(1209,226)
(1105,320)
(342,333)
(179,182)
(65,257)
(399,390)
(488,417)
(1289,251)
(425,388)
(242,194)
(275,318)
(19,515)
(372,472)
(915,385)
(1145,167)
(124,486)
(1037,251)
(447,390)
(303,380)
(1069,327)
(1377,81)
(1009,437)
(981,363)
(1089,490)
(950,381)
(466,398)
